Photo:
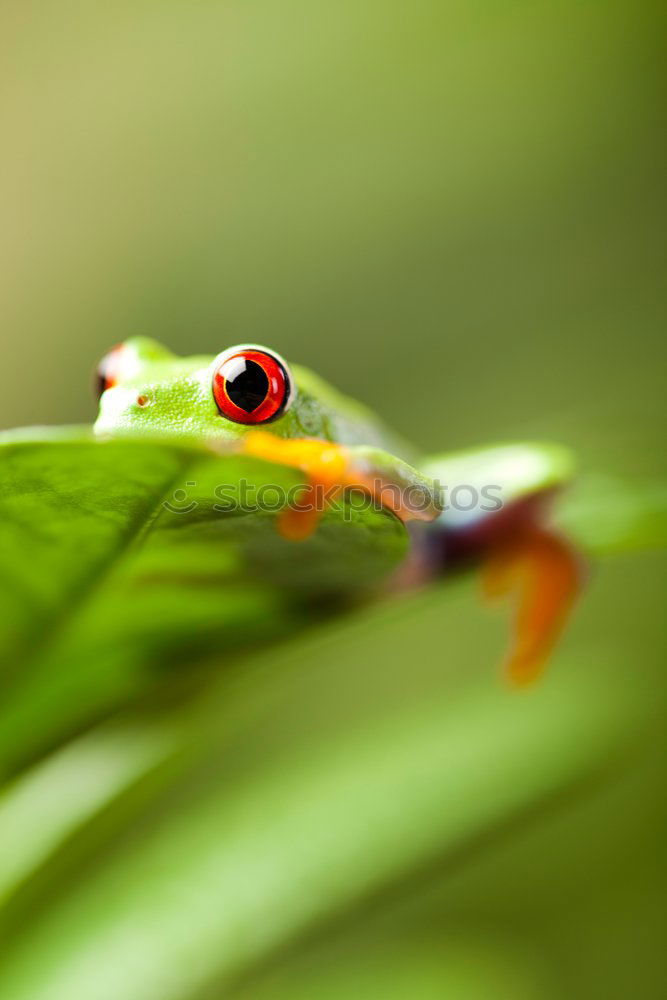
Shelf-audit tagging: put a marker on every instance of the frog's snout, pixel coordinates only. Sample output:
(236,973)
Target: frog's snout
(120,405)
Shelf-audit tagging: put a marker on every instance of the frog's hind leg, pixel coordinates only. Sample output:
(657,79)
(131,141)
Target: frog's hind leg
(521,556)
(541,571)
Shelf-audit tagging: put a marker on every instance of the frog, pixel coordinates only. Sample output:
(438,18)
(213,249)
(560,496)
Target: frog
(486,508)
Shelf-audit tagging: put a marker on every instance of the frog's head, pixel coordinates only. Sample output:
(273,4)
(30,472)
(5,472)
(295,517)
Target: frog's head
(248,397)
(145,389)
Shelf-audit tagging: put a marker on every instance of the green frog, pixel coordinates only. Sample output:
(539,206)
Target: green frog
(487,506)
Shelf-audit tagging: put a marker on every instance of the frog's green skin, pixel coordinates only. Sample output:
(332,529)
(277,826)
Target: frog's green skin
(177,400)
(163,395)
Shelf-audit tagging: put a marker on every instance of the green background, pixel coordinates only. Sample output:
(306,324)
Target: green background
(454,212)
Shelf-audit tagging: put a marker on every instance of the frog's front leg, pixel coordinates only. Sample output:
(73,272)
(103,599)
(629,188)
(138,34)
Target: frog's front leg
(496,513)
(330,468)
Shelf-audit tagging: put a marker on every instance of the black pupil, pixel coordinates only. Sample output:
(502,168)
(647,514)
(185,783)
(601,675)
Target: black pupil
(247,385)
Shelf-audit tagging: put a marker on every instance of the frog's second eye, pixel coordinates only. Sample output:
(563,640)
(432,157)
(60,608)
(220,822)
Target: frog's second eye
(109,369)
(251,385)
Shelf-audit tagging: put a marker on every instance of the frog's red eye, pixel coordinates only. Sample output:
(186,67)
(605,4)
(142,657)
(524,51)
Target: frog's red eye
(251,385)
(109,369)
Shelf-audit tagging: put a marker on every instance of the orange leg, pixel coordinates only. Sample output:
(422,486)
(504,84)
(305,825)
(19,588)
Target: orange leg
(329,468)
(326,466)
(299,522)
(544,574)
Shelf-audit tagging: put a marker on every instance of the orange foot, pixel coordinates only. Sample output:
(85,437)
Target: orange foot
(545,575)
(329,469)
(326,469)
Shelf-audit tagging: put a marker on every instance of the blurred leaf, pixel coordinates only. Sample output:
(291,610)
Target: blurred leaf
(292,810)
(606,513)
(424,967)
(42,809)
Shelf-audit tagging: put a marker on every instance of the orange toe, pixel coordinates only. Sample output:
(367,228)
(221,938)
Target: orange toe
(544,574)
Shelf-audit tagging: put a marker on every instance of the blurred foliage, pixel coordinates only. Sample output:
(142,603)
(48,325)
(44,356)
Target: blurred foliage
(454,212)
(461,197)
(305,812)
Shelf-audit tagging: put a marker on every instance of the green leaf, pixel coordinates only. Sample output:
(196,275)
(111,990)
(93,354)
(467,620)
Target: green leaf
(605,514)
(104,588)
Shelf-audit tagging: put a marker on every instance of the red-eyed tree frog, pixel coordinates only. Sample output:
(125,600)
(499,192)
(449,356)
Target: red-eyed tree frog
(487,506)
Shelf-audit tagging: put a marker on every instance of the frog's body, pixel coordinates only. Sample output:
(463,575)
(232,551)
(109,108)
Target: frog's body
(493,508)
